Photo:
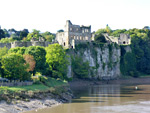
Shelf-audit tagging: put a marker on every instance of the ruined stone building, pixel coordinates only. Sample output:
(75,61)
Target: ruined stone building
(73,34)
(123,39)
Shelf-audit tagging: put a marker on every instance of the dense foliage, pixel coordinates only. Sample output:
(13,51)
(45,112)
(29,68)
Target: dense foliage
(56,59)
(10,35)
(21,62)
(39,55)
(14,67)
(80,68)
(135,62)
(138,61)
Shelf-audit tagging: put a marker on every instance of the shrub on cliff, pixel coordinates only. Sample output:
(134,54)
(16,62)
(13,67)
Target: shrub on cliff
(80,68)
(100,38)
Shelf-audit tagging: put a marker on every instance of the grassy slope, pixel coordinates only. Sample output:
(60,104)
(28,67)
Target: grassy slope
(50,82)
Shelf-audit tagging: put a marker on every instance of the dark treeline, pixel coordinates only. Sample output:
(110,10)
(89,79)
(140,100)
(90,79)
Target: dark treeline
(23,35)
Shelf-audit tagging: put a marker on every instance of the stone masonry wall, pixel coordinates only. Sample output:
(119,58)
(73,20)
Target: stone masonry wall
(24,44)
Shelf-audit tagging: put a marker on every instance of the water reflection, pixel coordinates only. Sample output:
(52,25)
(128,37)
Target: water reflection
(106,98)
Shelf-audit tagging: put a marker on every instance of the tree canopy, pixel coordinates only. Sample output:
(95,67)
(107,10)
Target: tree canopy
(56,59)
(14,67)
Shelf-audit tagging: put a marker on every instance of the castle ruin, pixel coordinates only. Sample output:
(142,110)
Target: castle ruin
(73,34)
(123,39)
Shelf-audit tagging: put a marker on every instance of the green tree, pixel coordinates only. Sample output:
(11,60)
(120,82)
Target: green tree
(108,29)
(117,32)
(100,38)
(6,40)
(56,59)
(48,36)
(3,51)
(14,67)
(23,34)
(38,53)
(2,34)
(35,34)
(100,31)
(80,68)
(128,65)
(6,33)
(19,50)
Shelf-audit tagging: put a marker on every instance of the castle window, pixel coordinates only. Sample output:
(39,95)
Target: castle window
(64,44)
(77,38)
(124,42)
(83,31)
(70,29)
(86,38)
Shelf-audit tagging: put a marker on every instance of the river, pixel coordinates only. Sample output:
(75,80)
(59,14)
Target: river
(106,99)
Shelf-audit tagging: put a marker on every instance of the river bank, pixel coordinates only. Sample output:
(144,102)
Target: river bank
(37,101)
(41,94)
(122,81)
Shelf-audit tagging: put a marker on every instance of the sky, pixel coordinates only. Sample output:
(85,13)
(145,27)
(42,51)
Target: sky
(51,15)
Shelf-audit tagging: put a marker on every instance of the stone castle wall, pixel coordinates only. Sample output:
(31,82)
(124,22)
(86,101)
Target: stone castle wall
(8,45)
(123,39)
(24,44)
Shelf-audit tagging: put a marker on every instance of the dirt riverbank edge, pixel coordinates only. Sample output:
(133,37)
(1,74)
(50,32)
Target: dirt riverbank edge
(49,100)
(38,100)
(121,81)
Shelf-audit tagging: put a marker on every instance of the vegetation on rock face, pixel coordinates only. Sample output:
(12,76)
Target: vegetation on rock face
(100,38)
(137,62)
(80,68)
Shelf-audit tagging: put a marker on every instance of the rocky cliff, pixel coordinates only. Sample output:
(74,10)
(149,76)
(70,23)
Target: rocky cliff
(103,60)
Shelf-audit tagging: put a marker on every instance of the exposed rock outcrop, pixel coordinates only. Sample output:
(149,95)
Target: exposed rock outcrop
(104,60)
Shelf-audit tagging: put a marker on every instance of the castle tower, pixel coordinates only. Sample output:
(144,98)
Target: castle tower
(67,30)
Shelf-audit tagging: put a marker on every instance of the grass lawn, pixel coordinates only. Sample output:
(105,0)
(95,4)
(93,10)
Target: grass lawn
(51,82)
(47,83)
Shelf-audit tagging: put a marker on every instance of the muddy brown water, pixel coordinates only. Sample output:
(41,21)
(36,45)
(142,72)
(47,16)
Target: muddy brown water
(106,99)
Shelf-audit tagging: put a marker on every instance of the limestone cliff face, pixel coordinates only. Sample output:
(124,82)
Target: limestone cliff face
(104,60)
